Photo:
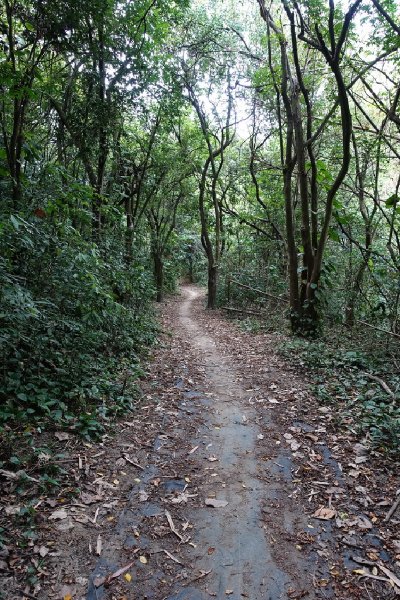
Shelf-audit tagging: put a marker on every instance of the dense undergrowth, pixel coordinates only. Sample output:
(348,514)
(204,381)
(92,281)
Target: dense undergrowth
(74,322)
(350,374)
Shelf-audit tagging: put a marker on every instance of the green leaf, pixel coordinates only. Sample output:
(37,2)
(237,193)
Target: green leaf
(15,222)
(333,235)
(392,200)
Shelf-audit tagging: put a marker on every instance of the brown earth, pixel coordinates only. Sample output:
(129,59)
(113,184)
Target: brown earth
(224,420)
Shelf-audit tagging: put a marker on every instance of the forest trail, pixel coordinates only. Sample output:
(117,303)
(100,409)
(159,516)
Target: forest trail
(242,564)
(222,419)
(209,439)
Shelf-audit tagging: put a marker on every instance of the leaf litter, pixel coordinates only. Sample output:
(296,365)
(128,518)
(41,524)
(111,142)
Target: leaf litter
(327,462)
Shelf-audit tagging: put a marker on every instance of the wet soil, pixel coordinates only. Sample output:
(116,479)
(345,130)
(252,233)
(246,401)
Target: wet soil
(247,546)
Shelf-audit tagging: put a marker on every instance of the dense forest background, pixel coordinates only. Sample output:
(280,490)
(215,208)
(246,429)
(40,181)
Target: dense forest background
(252,147)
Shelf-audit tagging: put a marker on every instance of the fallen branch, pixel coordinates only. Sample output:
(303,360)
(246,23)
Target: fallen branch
(17,475)
(241,310)
(393,509)
(27,595)
(171,556)
(172,526)
(382,383)
(267,294)
(392,576)
(202,574)
(393,579)
(370,576)
(132,462)
(378,328)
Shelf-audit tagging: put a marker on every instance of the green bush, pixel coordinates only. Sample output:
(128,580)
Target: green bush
(73,317)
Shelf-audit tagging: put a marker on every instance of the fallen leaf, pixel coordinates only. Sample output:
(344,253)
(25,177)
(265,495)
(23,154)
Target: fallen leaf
(59,514)
(182,498)
(43,551)
(12,510)
(110,578)
(143,560)
(86,498)
(98,581)
(324,513)
(128,577)
(143,496)
(354,473)
(363,523)
(62,436)
(65,525)
(215,503)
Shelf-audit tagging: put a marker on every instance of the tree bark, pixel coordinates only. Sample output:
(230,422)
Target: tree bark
(212,287)
(159,275)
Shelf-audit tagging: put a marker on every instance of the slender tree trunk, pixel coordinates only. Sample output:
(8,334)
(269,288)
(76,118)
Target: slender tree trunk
(159,275)
(212,286)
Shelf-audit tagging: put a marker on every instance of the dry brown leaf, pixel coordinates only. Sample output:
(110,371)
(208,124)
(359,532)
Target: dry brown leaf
(43,551)
(59,514)
(324,513)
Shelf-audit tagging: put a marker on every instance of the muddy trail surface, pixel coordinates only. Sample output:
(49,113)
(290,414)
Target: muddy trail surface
(228,481)
(227,505)
(232,540)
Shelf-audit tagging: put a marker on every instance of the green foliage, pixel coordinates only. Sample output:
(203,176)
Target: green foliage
(72,318)
(339,380)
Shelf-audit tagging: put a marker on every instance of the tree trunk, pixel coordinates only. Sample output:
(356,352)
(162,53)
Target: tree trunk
(355,292)
(129,231)
(191,276)
(212,287)
(159,275)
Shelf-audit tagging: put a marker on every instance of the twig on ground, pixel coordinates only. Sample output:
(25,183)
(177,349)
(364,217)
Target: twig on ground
(132,462)
(202,574)
(393,509)
(382,383)
(172,526)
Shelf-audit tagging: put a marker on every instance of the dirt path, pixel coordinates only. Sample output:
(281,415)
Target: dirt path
(223,419)
(243,560)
